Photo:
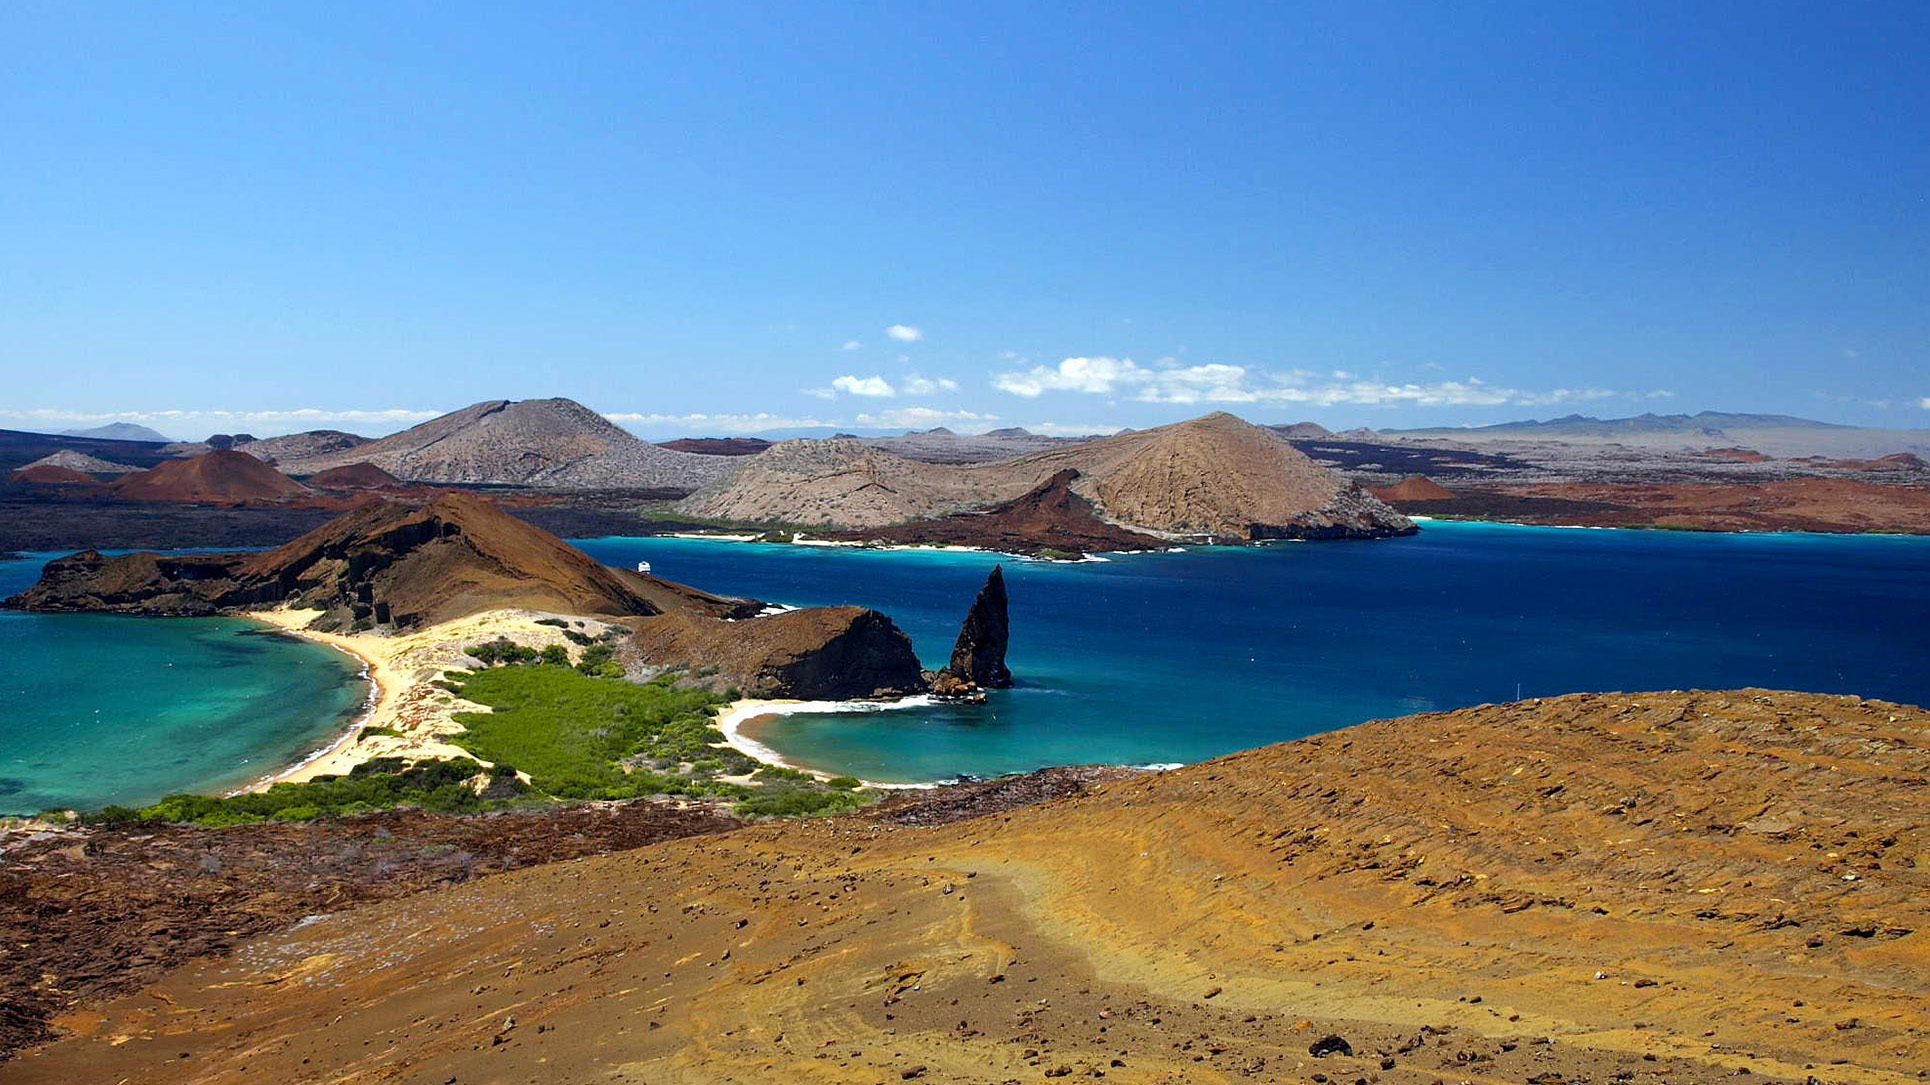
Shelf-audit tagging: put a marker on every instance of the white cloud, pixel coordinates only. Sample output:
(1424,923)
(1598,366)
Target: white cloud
(851,344)
(1924,403)
(1069,429)
(1169,382)
(904,333)
(927,417)
(1097,376)
(717,423)
(864,386)
(924,386)
(197,422)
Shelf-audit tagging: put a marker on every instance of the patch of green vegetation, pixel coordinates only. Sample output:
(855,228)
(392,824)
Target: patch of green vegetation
(445,786)
(792,800)
(578,736)
(371,732)
(573,733)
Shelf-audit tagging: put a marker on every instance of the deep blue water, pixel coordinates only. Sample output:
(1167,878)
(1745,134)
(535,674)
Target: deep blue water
(1181,656)
(1140,659)
(101,708)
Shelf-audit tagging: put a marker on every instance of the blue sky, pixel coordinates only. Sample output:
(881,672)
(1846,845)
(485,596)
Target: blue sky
(718,217)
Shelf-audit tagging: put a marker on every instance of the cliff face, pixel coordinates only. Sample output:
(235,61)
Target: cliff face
(819,653)
(978,656)
(384,563)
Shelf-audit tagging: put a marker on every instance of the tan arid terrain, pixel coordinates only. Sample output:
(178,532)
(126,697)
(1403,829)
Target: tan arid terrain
(1647,887)
(1213,475)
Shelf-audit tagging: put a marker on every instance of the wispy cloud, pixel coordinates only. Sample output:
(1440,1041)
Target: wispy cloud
(851,344)
(1169,382)
(1924,403)
(904,333)
(864,386)
(1068,429)
(717,423)
(192,421)
(927,417)
(924,386)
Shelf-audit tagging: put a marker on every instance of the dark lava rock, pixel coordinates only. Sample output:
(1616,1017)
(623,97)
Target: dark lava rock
(978,656)
(1330,1045)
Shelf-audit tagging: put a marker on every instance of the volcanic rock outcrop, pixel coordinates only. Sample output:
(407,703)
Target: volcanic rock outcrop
(383,564)
(818,653)
(355,476)
(82,462)
(222,477)
(48,474)
(1049,518)
(1413,488)
(978,656)
(556,443)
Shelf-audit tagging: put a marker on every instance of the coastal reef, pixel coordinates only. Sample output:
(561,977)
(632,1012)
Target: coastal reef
(1635,887)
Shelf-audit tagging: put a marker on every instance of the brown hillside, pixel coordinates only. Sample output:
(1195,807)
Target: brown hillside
(220,477)
(819,653)
(1658,887)
(385,563)
(47,474)
(550,443)
(355,476)
(1049,517)
(1413,488)
(1215,475)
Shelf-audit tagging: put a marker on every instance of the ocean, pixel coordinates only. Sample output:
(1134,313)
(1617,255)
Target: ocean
(1137,659)
(99,709)
(1177,657)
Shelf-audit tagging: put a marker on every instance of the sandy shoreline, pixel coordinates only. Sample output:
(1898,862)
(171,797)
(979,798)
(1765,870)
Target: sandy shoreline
(402,671)
(731,720)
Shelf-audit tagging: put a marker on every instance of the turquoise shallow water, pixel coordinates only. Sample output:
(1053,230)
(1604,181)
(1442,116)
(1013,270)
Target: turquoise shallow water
(1141,659)
(98,709)
(1177,657)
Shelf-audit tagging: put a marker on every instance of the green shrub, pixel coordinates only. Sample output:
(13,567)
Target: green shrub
(556,655)
(844,783)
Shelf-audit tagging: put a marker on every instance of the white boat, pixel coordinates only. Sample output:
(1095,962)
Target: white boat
(643,566)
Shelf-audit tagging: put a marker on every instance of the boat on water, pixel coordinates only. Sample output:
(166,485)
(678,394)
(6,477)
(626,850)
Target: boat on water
(643,566)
